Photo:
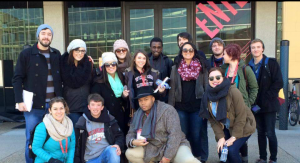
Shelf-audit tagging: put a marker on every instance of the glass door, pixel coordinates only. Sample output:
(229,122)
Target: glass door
(145,20)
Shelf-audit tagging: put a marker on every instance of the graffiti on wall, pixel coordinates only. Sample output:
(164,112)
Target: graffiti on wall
(217,12)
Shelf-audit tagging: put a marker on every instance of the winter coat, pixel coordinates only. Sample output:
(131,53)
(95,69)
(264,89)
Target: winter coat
(112,133)
(269,86)
(76,83)
(242,121)
(250,97)
(31,74)
(51,148)
(168,134)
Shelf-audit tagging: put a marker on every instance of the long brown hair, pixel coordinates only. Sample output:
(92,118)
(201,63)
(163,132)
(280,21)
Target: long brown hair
(71,58)
(62,100)
(147,65)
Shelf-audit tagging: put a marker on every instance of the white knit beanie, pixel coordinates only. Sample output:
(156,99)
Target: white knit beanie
(77,43)
(120,44)
(109,56)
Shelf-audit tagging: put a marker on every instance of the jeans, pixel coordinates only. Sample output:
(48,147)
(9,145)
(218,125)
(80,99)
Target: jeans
(265,124)
(109,155)
(233,150)
(32,118)
(195,129)
(74,117)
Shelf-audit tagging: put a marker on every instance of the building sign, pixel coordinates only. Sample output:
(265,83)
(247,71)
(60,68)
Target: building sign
(217,12)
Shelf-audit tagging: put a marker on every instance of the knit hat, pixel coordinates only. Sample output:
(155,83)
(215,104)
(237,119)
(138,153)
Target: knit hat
(109,56)
(77,43)
(120,44)
(41,27)
(215,39)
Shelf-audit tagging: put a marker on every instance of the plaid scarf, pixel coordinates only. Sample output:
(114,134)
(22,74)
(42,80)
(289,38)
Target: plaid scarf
(189,72)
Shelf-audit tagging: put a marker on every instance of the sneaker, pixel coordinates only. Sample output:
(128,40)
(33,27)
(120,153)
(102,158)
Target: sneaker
(270,161)
(260,161)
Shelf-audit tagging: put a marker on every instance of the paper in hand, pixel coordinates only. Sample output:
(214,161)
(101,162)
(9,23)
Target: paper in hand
(27,99)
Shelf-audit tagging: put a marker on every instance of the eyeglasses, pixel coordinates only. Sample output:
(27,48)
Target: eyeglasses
(121,50)
(191,50)
(79,51)
(113,64)
(211,78)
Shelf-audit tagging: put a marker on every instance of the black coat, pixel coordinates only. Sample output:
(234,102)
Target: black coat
(76,83)
(31,74)
(269,86)
(117,107)
(112,133)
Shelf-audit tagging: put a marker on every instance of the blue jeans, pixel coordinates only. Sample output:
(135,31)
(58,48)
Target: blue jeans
(195,129)
(109,155)
(74,117)
(265,124)
(234,150)
(32,118)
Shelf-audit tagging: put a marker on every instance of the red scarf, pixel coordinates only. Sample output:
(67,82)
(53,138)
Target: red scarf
(189,72)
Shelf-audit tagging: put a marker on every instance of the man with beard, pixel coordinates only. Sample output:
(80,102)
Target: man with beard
(37,70)
(159,61)
(216,46)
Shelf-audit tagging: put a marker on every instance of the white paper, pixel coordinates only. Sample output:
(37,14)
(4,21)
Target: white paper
(27,99)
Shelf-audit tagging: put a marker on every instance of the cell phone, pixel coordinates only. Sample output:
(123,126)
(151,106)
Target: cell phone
(125,87)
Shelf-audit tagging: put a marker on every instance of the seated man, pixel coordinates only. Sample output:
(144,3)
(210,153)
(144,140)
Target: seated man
(99,137)
(155,133)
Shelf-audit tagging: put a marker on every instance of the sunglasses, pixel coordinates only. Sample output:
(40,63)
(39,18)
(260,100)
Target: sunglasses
(188,50)
(113,64)
(79,51)
(211,78)
(121,50)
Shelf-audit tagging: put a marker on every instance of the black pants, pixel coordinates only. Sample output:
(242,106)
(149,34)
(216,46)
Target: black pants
(265,124)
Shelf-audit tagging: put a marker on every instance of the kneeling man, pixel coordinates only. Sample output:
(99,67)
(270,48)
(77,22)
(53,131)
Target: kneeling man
(155,133)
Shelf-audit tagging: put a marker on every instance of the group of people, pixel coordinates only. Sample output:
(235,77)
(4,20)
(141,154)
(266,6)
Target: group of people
(82,113)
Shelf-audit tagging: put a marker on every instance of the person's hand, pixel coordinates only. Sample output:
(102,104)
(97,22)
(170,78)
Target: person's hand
(22,107)
(161,88)
(125,93)
(230,141)
(220,144)
(164,160)
(139,142)
(118,149)
(91,59)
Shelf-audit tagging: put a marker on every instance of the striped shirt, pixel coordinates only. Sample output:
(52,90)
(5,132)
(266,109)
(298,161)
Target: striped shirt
(50,86)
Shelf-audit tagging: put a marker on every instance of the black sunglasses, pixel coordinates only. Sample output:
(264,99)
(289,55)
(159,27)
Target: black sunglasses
(211,78)
(121,50)
(188,50)
(113,64)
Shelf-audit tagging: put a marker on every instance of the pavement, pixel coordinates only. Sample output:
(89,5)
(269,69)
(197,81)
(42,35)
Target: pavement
(12,144)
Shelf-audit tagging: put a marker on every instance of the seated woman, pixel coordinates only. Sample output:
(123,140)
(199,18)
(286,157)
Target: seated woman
(231,119)
(60,147)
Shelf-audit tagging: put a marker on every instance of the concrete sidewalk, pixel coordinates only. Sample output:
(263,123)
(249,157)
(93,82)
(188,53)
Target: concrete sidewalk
(13,141)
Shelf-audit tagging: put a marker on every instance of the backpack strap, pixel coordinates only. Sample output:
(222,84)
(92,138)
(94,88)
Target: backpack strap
(245,76)
(267,66)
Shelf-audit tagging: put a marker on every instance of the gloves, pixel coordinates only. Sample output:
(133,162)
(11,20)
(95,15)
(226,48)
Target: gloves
(52,160)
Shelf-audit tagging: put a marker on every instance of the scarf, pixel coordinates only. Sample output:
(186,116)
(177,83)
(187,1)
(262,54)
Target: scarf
(217,94)
(189,72)
(148,129)
(73,76)
(116,85)
(58,131)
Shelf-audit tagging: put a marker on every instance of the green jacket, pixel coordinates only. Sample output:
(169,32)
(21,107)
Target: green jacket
(250,97)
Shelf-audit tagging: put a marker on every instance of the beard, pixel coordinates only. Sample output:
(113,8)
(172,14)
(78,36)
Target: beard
(45,44)
(218,54)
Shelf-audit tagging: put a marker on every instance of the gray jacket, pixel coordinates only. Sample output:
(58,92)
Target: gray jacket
(168,134)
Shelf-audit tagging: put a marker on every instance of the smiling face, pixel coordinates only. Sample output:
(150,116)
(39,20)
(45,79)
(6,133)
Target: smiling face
(78,54)
(140,60)
(181,41)
(156,48)
(111,67)
(215,78)
(257,49)
(45,37)
(188,52)
(217,49)
(95,108)
(58,111)
(121,53)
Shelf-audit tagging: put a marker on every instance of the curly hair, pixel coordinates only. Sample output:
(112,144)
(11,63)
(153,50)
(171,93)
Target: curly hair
(234,51)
